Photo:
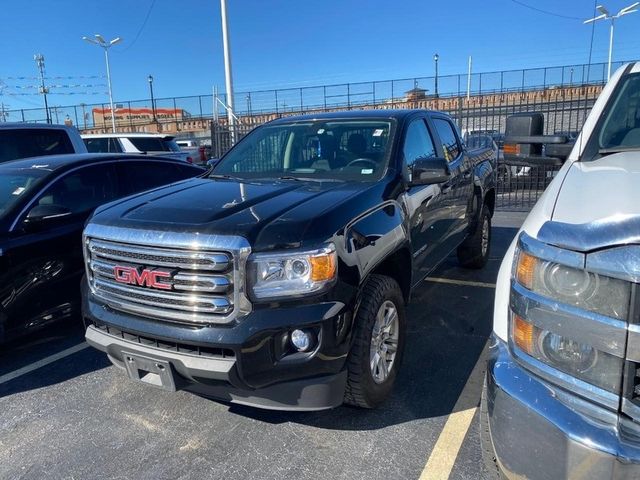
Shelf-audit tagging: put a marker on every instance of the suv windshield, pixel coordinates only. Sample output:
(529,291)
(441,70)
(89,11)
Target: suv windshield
(17,183)
(332,149)
(621,128)
(154,144)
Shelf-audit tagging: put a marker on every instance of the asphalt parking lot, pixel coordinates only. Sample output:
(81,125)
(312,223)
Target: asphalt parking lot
(65,412)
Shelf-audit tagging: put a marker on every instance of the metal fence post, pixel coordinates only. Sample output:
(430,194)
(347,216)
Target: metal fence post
(130,118)
(301,102)
(276,93)
(324,96)
(373,89)
(200,103)
(175,113)
(348,96)
(22,113)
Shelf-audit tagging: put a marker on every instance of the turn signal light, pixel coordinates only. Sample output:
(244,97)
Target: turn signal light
(323,267)
(512,148)
(526,269)
(525,335)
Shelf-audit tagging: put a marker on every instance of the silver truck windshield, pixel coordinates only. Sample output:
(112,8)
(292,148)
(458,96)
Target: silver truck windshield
(621,128)
(333,149)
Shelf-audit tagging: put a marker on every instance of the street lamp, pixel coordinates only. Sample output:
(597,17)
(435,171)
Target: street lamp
(102,43)
(605,15)
(153,103)
(436,57)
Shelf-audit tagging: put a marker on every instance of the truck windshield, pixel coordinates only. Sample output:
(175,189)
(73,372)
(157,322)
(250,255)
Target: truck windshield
(334,149)
(621,127)
(16,184)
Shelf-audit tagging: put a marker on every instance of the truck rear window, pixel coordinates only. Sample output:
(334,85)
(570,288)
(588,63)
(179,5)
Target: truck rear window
(33,142)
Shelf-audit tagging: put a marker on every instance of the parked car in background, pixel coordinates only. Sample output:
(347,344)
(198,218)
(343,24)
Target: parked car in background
(561,398)
(148,143)
(44,203)
(199,153)
(280,279)
(23,140)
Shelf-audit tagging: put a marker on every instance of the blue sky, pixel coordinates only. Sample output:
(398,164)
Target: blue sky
(281,43)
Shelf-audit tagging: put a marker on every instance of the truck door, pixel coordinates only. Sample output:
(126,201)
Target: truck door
(426,204)
(461,177)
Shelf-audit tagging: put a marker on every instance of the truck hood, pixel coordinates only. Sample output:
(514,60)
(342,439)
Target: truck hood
(270,214)
(598,190)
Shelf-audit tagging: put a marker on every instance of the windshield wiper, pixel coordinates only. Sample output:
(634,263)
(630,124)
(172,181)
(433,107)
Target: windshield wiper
(308,179)
(606,151)
(224,177)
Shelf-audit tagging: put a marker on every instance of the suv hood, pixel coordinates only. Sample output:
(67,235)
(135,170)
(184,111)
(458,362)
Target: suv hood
(598,190)
(270,214)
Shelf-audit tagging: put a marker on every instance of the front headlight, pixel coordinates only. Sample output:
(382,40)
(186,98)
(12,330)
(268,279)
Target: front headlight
(291,274)
(567,355)
(579,288)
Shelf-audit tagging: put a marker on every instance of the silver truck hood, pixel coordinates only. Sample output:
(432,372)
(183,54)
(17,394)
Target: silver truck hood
(598,205)
(596,191)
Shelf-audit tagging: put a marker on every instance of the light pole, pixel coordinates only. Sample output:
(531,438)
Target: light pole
(436,57)
(153,102)
(605,15)
(102,43)
(227,69)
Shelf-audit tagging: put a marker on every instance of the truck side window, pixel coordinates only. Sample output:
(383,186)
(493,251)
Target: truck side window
(417,142)
(448,138)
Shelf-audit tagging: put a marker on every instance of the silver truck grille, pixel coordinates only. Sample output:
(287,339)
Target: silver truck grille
(187,285)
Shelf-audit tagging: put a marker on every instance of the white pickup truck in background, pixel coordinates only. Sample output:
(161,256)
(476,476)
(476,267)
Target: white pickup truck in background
(24,140)
(562,392)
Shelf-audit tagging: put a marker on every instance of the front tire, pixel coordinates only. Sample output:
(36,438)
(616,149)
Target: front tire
(379,338)
(474,251)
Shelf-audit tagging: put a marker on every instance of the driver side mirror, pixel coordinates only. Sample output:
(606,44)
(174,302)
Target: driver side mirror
(42,215)
(426,171)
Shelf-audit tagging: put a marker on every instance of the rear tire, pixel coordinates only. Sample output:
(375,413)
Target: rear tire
(379,337)
(486,445)
(474,251)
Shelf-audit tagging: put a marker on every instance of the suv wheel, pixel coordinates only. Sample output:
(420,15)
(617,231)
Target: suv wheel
(378,346)
(474,251)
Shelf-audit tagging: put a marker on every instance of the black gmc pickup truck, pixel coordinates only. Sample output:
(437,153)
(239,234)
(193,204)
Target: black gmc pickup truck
(280,281)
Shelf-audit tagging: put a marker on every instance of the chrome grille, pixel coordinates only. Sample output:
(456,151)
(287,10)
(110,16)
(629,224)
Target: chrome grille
(201,283)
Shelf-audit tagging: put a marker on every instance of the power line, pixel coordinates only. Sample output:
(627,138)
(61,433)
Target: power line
(546,12)
(144,23)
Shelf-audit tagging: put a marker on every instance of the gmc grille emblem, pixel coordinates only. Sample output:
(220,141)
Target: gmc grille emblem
(143,278)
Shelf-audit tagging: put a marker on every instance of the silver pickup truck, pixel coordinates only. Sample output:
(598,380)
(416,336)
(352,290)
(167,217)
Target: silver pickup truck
(562,392)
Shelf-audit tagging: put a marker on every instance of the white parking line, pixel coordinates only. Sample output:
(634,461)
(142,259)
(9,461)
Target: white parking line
(7,377)
(464,283)
(445,451)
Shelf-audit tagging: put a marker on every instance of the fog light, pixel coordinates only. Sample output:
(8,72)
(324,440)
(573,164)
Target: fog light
(301,340)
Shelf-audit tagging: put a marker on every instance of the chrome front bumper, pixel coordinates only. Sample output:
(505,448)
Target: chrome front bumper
(541,432)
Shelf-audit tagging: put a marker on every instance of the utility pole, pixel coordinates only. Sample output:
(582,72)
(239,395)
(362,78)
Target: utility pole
(469,79)
(43,90)
(227,69)
(56,110)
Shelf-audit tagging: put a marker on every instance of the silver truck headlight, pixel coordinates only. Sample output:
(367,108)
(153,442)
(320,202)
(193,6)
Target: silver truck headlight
(291,274)
(579,288)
